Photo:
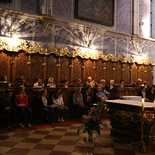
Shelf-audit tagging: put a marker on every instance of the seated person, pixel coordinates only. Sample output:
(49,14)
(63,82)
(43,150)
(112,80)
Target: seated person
(121,84)
(5,79)
(111,85)
(138,83)
(145,84)
(58,103)
(21,105)
(131,84)
(78,83)
(150,94)
(64,84)
(90,82)
(142,93)
(78,101)
(22,82)
(38,84)
(51,83)
(45,106)
(103,86)
(100,96)
(88,98)
(6,108)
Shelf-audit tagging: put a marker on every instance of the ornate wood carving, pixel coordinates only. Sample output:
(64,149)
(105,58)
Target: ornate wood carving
(64,67)
(35,65)
(5,65)
(51,67)
(21,67)
(77,70)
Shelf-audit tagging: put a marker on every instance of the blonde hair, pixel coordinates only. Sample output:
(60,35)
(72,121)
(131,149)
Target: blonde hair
(102,80)
(51,78)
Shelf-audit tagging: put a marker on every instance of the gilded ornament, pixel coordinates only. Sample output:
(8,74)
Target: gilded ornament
(37,48)
(71,65)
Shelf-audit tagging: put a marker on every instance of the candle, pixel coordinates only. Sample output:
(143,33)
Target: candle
(142,104)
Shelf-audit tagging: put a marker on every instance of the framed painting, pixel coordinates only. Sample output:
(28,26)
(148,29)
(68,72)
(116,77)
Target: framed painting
(98,11)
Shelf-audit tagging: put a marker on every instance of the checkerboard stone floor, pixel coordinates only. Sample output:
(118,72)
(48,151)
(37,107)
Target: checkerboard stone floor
(63,140)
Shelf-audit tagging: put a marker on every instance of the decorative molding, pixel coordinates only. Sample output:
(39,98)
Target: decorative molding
(89,54)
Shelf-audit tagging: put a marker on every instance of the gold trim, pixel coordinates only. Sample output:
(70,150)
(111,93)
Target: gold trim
(66,52)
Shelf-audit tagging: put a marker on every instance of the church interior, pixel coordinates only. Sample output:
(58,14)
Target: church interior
(72,46)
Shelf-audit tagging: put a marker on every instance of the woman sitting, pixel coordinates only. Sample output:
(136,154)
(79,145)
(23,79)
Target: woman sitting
(88,98)
(51,83)
(45,107)
(58,103)
(21,104)
(78,101)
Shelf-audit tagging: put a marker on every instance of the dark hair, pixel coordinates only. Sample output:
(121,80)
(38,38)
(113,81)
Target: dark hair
(121,81)
(7,91)
(55,95)
(63,81)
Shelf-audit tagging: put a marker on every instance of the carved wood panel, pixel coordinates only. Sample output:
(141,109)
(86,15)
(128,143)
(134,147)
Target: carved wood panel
(142,72)
(134,73)
(51,68)
(118,72)
(88,69)
(36,67)
(80,68)
(5,65)
(126,73)
(64,68)
(110,71)
(99,71)
(149,74)
(21,67)
(77,70)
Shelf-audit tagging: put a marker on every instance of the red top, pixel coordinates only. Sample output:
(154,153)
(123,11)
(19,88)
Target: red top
(23,100)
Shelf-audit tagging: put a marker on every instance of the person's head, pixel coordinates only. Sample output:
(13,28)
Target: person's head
(122,82)
(79,81)
(65,82)
(99,89)
(102,81)
(44,92)
(139,80)
(111,81)
(131,83)
(22,80)
(51,80)
(89,79)
(39,80)
(4,78)
(22,90)
(152,89)
(78,90)
(58,90)
(8,93)
(145,83)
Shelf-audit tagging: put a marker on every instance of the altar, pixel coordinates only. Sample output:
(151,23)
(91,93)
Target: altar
(130,122)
